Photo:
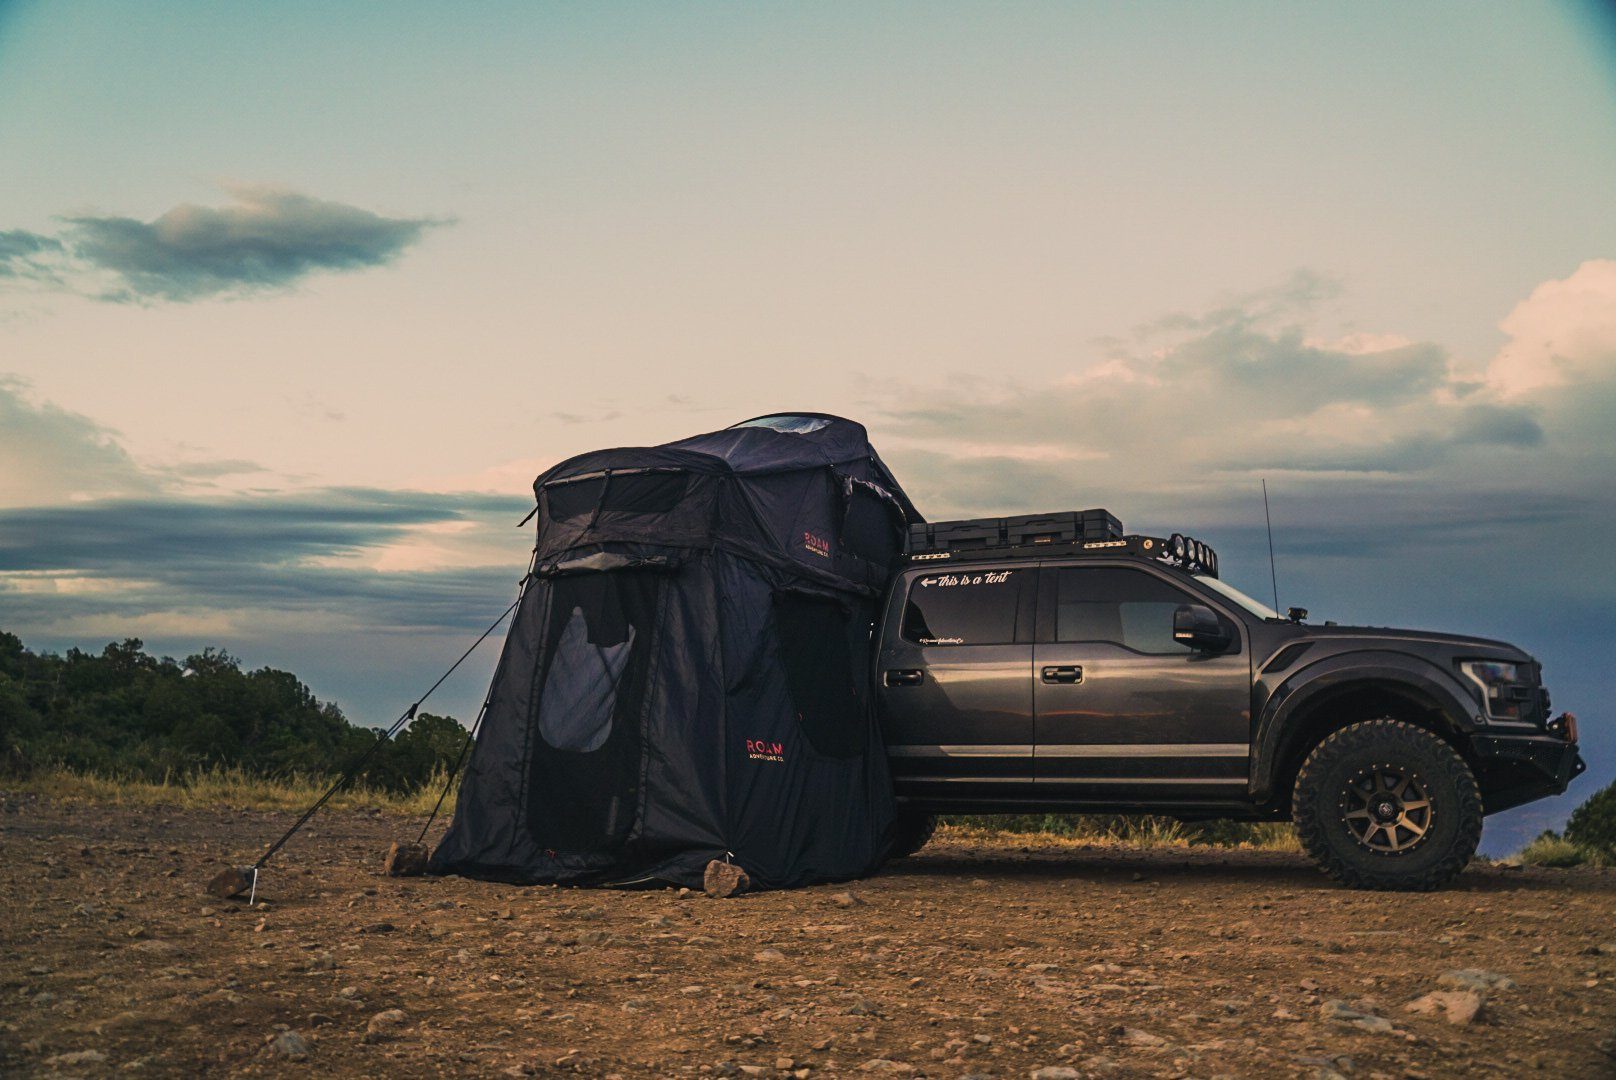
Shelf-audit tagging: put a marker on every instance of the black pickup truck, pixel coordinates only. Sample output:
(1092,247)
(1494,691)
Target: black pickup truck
(1050,663)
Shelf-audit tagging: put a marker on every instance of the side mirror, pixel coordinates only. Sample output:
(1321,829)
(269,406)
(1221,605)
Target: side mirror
(1200,629)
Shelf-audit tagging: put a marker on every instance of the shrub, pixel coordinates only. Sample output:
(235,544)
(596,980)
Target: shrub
(1552,849)
(1593,824)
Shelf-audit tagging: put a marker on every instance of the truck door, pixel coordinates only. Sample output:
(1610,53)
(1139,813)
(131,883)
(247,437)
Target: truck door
(955,682)
(1123,711)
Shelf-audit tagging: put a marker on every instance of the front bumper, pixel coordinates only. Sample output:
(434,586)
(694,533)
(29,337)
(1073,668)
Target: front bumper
(1515,769)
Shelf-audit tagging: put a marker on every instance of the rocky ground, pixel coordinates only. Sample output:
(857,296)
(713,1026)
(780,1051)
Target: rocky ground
(992,958)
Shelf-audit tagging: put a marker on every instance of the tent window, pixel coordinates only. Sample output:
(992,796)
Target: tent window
(584,772)
(644,492)
(869,529)
(790,424)
(580,694)
(826,659)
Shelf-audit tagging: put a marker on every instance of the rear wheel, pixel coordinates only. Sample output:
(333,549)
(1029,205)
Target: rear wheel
(910,833)
(1387,805)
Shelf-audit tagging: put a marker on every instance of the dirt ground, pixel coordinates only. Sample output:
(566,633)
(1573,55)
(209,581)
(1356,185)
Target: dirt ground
(990,958)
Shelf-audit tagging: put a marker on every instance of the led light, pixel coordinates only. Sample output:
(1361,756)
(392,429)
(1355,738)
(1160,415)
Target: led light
(1177,543)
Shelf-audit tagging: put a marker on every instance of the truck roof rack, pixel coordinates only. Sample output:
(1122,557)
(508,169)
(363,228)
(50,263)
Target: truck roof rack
(1064,534)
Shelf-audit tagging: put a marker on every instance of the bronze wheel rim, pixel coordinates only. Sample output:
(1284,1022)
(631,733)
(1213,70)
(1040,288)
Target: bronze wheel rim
(1387,809)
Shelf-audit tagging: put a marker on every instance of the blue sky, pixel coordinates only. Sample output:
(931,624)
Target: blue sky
(296,299)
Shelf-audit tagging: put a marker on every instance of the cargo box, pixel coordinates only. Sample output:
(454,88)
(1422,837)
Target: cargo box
(1071,527)
(1023,530)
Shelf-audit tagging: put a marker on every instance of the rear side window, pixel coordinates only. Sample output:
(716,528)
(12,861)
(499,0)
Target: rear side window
(976,607)
(1124,607)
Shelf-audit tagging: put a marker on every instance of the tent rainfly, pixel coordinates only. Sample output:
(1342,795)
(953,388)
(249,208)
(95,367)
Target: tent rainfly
(687,676)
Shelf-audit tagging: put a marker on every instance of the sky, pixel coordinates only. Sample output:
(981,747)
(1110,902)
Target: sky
(296,299)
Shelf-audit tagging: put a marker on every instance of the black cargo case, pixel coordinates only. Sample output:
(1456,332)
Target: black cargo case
(1021,530)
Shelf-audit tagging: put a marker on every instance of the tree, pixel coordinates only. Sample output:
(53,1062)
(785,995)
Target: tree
(1593,824)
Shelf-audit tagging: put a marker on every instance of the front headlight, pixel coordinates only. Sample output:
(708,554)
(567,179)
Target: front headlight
(1496,680)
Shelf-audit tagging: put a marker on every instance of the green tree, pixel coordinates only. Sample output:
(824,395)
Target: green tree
(1593,824)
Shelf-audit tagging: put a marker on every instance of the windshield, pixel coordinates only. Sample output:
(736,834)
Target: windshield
(1256,607)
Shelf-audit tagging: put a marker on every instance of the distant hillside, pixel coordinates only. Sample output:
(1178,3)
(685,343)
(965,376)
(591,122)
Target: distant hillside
(125,712)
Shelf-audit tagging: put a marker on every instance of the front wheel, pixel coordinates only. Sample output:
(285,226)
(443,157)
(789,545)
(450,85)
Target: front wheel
(1387,805)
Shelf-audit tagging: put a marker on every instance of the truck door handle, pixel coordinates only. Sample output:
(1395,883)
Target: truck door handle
(904,677)
(1063,674)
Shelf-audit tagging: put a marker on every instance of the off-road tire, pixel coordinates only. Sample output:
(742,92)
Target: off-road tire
(1321,795)
(910,833)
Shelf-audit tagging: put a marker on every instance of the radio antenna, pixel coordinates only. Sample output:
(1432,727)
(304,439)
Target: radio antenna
(1273,573)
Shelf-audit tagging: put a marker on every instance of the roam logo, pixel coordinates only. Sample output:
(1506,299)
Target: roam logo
(816,544)
(764,750)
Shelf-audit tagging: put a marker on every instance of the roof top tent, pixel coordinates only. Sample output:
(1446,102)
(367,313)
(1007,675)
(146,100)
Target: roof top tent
(686,677)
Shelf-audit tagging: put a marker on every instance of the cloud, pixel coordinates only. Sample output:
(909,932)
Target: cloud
(313,552)
(27,256)
(1409,486)
(1563,334)
(1203,406)
(52,455)
(266,239)
(89,536)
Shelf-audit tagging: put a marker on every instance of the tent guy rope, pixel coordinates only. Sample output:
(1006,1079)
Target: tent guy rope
(237,880)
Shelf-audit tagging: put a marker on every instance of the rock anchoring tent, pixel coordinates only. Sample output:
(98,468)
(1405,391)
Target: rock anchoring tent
(686,677)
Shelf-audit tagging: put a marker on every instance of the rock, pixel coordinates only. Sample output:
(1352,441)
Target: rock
(154,948)
(231,881)
(887,1065)
(724,879)
(1475,979)
(405,860)
(769,956)
(385,1025)
(1136,1037)
(1056,1072)
(290,1045)
(1455,1006)
(1342,1013)
(862,1006)
(77,1057)
(846,900)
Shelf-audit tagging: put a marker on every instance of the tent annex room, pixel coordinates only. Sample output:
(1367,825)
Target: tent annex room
(686,677)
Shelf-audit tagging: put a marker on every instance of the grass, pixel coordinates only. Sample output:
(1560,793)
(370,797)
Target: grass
(227,788)
(1552,849)
(237,789)
(1130,831)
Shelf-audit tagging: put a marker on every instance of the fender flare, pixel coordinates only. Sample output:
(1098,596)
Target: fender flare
(1418,680)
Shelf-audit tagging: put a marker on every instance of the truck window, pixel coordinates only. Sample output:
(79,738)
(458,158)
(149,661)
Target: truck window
(1124,607)
(974,607)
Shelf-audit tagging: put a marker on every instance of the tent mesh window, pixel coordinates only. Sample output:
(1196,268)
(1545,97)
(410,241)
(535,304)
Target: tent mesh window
(649,491)
(826,661)
(585,764)
(869,529)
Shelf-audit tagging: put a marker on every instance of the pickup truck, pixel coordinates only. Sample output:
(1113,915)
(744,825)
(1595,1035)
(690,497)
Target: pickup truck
(1051,664)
